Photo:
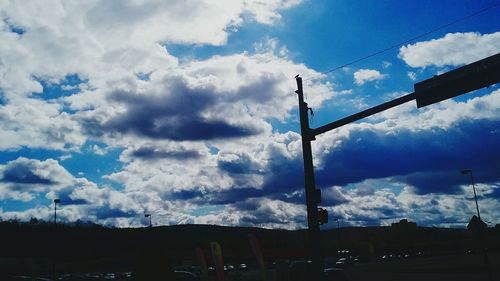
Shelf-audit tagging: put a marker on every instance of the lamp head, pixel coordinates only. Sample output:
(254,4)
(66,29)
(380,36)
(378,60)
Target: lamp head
(465,172)
(57,201)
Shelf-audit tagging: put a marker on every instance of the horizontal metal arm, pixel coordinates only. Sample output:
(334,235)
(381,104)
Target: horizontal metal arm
(362,114)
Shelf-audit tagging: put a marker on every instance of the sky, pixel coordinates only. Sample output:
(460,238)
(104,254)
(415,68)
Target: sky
(185,110)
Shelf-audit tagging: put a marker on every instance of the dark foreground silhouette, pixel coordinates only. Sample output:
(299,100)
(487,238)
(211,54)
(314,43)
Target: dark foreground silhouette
(153,264)
(92,252)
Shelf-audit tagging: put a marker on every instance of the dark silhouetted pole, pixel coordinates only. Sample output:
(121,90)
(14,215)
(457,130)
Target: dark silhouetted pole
(149,216)
(56,201)
(465,172)
(313,196)
(338,232)
(480,229)
(338,229)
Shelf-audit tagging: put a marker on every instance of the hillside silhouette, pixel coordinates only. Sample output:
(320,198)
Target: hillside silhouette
(31,247)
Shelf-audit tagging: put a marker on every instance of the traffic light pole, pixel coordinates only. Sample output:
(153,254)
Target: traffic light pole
(482,73)
(313,196)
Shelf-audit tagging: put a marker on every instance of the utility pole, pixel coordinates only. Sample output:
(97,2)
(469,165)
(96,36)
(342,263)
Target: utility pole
(313,195)
(479,74)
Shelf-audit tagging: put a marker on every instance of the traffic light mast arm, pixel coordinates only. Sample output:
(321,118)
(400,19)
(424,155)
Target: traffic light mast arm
(479,74)
(362,114)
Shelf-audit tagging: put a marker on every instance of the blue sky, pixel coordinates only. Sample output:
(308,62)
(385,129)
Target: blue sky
(186,110)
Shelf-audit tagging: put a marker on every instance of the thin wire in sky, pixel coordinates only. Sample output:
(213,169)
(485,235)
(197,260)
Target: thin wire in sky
(471,15)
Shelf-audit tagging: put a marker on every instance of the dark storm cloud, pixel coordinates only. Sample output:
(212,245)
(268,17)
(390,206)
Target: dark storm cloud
(186,195)
(429,160)
(332,197)
(104,213)
(214,198)
(23,173)
(66,199)
(258,213)
(243,164)
(496,192)
(176,116)
(231,196)
(258,218)
(196,196)
(328,197)
(283,180)
(92,127)
(261,90)
(441,181)
(151,153)
(283,174)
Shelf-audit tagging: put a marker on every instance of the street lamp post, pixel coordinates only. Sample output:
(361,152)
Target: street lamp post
(149,216)
(338,228)
(56,201)
(480,231)
(468,171)
(338,231)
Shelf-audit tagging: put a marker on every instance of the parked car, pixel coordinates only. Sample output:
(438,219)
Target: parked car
(302,271)
(185,276)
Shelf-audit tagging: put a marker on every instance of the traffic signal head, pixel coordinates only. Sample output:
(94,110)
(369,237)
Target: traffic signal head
(322,216)
(476,75)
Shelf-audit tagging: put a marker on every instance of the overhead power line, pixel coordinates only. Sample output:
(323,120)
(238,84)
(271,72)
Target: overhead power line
(471,15)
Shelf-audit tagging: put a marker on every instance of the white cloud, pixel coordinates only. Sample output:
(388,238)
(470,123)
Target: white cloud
(385,206)
(267,11)
(453,49)
(22,179)
(366,75)
(271,45)
(25,179)
(98,150)
(107,49)
(38,124)
(412,75)
(65,157)
(101,40)
(441,115)
(259,212)
(386,64)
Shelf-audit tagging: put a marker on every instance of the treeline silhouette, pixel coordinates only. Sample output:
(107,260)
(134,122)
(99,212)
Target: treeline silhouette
(85,245)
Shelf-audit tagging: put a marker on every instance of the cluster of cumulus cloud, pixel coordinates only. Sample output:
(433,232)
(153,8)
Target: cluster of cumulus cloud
(197,140)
